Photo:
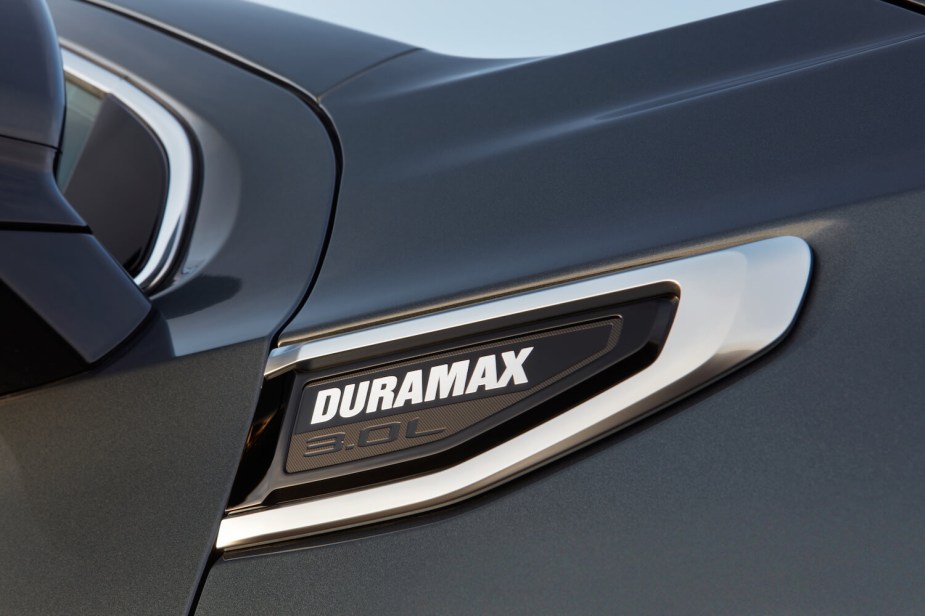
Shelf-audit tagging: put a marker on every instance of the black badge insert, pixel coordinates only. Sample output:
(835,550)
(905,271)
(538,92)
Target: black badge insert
(442,397)
(418,402)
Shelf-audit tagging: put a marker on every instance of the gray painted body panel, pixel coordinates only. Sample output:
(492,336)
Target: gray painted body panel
(113,484)
(465,179)
(792,488)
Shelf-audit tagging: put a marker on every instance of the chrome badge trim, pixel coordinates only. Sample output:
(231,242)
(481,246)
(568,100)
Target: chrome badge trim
(176,146)
(734,304)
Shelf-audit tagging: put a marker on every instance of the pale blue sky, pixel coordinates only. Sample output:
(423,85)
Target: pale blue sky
(512,28)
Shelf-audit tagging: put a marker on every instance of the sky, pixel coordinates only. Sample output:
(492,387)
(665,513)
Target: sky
(509,28)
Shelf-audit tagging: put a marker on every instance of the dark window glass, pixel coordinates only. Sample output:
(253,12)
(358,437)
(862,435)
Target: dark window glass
(83,105)
(114,173)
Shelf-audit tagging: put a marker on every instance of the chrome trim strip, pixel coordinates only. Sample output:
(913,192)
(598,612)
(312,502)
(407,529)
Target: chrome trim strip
(176,146)
(734,304)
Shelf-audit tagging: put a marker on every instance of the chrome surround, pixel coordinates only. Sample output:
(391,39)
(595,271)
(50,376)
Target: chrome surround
(176,146)
(734,304)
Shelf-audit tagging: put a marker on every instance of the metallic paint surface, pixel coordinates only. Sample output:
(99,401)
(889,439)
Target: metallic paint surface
(793,486)
(475,179)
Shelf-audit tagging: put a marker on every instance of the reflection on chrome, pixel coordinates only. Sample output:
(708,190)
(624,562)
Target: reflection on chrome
(734,304)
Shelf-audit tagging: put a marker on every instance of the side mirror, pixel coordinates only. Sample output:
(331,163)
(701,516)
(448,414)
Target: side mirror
(64,302)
